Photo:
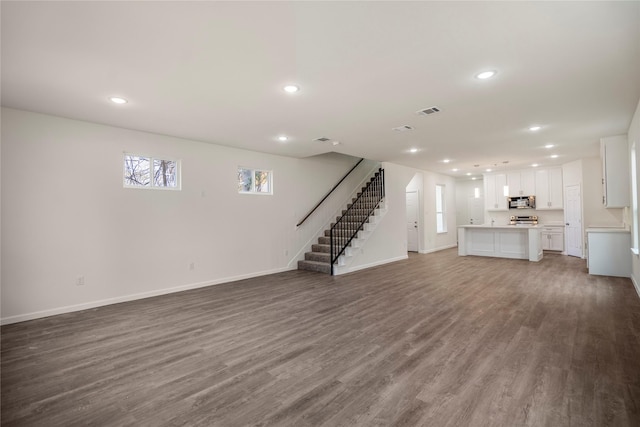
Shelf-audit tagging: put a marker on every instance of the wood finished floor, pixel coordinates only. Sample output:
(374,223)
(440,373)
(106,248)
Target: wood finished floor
(436,340)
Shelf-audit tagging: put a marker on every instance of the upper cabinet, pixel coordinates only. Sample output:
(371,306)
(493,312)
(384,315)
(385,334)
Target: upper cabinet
(615,171)
(494,189)
(521,183)
(549,189)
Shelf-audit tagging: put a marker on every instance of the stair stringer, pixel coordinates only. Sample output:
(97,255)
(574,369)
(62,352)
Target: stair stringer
(358,243)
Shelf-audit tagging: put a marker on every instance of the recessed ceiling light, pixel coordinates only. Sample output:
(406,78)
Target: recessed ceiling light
(554,156)
(485,75)
(336,143)
(474,178)
(468,173)
(446,161)
(283,138)
(454,170)
(413,150)
(118,100)
(535,165)
(549,146)
(535,128)
(291,88)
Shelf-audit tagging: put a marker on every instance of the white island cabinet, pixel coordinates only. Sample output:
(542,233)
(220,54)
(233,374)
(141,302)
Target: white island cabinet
(609,251)
(508,241)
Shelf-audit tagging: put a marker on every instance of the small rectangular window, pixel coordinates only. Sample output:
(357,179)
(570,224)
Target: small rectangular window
(441,223)
(150,172)
(254,181)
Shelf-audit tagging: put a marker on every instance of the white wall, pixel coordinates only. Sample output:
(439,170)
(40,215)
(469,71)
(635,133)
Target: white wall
(66,214)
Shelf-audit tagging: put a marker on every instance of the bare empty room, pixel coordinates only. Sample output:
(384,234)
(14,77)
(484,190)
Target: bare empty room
(320,213)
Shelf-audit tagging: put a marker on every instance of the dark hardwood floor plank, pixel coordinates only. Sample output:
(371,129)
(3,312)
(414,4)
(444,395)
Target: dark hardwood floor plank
(436,339)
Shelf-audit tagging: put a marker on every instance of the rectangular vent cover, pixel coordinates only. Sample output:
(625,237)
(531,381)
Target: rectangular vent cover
(322,139)
(403,128)
(427,111)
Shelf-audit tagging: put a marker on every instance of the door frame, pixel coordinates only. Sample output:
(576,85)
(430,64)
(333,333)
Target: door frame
(417,192)
(566,231)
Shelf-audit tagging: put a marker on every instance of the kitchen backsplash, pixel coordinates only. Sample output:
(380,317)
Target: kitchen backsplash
(544,217)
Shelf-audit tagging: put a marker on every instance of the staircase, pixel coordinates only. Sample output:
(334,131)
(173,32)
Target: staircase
(349,231)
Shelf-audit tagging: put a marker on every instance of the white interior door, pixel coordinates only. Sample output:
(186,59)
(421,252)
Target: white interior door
(412,221)
(573,220)
(475,207)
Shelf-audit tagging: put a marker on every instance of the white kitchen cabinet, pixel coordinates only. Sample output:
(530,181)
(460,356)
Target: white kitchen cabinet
(521,183)
(614,151)
(553,238)
(549,189)
(608,252)
(494,187)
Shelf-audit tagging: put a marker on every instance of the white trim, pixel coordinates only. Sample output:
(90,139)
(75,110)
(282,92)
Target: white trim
(442,248)
(133,297)
(635,285)
(373,264)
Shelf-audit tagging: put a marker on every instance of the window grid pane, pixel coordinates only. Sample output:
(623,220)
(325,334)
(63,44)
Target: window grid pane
(137,171)
(262,182)
(165,173)
(441,224)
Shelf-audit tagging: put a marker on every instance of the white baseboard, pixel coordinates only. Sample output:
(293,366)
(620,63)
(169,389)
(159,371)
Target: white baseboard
(428,251)
(133,297)
(373,264)
(635,285)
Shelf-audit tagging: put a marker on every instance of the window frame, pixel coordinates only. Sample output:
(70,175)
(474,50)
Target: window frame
(635,237)
(443,212)
(253,181)
(152,159)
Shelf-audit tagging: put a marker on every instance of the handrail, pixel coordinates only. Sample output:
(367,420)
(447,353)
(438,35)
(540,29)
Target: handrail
(342,233)
(328,194)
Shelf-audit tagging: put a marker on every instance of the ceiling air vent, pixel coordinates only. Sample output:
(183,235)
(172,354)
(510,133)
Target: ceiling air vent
(403,128)
(322,139)
(427,111)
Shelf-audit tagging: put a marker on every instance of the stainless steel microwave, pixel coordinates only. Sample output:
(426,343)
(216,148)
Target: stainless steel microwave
(522,202)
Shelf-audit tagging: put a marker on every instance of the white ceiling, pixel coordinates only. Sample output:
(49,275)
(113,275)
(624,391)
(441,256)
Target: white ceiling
(214,72)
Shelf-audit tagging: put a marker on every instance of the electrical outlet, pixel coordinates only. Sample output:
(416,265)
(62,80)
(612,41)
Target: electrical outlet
(80,281)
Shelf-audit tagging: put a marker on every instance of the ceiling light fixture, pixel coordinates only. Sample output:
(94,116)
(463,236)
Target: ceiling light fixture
(486,75)
(535,128)
(413,150)
(291,88)
(446,161)
(535,165)
(487,170)
(554,156)
(282,138)
(549,146)
(468,173)
(118,100)
(454,170)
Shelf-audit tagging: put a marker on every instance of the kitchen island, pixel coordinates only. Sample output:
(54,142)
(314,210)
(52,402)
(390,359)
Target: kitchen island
(501,241)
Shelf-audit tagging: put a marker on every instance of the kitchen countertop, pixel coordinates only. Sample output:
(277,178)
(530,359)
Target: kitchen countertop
(607,230)
(511,227)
